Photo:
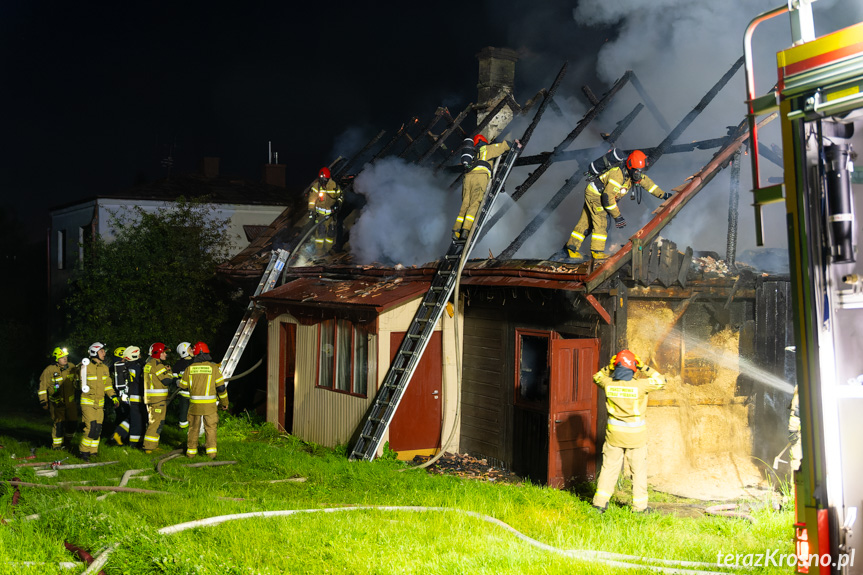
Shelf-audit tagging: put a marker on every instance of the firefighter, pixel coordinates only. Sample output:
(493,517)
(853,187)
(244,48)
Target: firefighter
(207,387)
(57,396)
(121,387)
(130,427)
(475,183)
(626,381)
(157,379)
(95,386)
(600,201)
(184,351)
(325,199)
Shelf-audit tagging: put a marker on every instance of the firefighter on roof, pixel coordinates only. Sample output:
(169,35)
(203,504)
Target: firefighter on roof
(95,386)
(130,427)
(475,184)
(325,199)
(626,381)
(57,396)
(157,378)
(207,388)
(600,201)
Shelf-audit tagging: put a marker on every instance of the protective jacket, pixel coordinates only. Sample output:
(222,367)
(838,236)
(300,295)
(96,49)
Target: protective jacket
(322,198)
(157,378)
(626,402)
(615,183)
(57,384)
(98,383)
(206,385)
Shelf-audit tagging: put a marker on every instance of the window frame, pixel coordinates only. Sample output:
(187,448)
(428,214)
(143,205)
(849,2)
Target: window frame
(351,365)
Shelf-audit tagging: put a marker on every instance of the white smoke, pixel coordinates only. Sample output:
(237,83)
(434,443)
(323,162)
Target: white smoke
(679,49)
(408,214)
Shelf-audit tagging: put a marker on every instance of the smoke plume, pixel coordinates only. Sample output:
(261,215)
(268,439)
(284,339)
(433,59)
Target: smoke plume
(408,213)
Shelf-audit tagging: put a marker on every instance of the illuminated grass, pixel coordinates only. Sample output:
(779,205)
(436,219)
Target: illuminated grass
(362,541)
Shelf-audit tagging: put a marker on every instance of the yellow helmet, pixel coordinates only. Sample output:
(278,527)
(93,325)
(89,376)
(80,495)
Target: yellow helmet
(59,352)
(118,353)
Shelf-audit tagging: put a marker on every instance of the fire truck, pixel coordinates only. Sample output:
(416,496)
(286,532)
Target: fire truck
(819,100)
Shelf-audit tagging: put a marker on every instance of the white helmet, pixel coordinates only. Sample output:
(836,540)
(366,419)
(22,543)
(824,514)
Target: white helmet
(132,353)
(183,350)
(93,350)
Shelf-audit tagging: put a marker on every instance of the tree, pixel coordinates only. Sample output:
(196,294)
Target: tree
(155,281)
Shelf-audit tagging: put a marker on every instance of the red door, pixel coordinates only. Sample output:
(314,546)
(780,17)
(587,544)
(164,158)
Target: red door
(572,411)
(416,424)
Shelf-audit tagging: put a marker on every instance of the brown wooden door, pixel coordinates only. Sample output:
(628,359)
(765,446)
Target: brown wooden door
(416,424)
(572,411)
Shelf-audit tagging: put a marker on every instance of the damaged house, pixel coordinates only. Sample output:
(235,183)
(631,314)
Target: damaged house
(507,371)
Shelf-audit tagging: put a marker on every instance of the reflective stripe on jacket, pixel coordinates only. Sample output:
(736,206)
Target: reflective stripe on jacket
(486,153)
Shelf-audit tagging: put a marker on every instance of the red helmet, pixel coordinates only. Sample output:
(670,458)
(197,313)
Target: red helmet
(324,173)
(636,160)
(200,347)
(479,138)
(627,359)
(157,349)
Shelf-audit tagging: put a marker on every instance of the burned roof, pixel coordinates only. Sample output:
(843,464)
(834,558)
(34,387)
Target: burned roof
(435,142)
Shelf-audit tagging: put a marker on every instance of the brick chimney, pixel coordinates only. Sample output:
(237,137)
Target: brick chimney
(274,174)
(496,80)
(210,167)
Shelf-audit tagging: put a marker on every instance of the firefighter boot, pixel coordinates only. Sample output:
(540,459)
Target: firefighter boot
(117,439)
(598,256)
(455,235)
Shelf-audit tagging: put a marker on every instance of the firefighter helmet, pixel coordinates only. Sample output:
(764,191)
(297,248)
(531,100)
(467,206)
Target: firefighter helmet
(324,173)
(59,352)
(183,350)
(637,160)
(132,353)
(157,349)
(118,353)
(627,359)
(479,138)
(200,347)
(93,350)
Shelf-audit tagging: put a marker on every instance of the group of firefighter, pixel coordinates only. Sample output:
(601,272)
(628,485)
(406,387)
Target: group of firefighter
(140,391)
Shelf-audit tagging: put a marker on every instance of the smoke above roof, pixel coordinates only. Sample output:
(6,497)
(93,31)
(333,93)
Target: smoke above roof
(408,213)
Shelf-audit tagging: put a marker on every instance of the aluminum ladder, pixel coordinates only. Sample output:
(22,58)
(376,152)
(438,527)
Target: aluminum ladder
(421,328)
(253,313)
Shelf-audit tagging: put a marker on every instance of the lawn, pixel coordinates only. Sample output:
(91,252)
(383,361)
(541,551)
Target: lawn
(434,524)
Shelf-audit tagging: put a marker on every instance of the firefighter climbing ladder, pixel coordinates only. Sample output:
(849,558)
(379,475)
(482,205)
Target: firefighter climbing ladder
(420,331)
(253,313)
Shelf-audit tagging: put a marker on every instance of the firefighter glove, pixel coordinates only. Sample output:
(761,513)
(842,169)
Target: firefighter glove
(116,400)
(45,406)
(665,195)
(619,222)
(311,214)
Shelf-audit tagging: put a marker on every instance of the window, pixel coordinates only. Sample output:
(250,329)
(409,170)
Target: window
(83,239)
(533,369)
(343,357)
(61,249)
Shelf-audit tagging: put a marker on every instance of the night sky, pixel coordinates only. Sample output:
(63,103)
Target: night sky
(97,94)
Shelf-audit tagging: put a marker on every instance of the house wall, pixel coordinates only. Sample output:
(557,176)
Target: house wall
(331,418)
(491,319)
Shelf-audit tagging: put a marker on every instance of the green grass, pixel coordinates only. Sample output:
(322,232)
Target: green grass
(360,541)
